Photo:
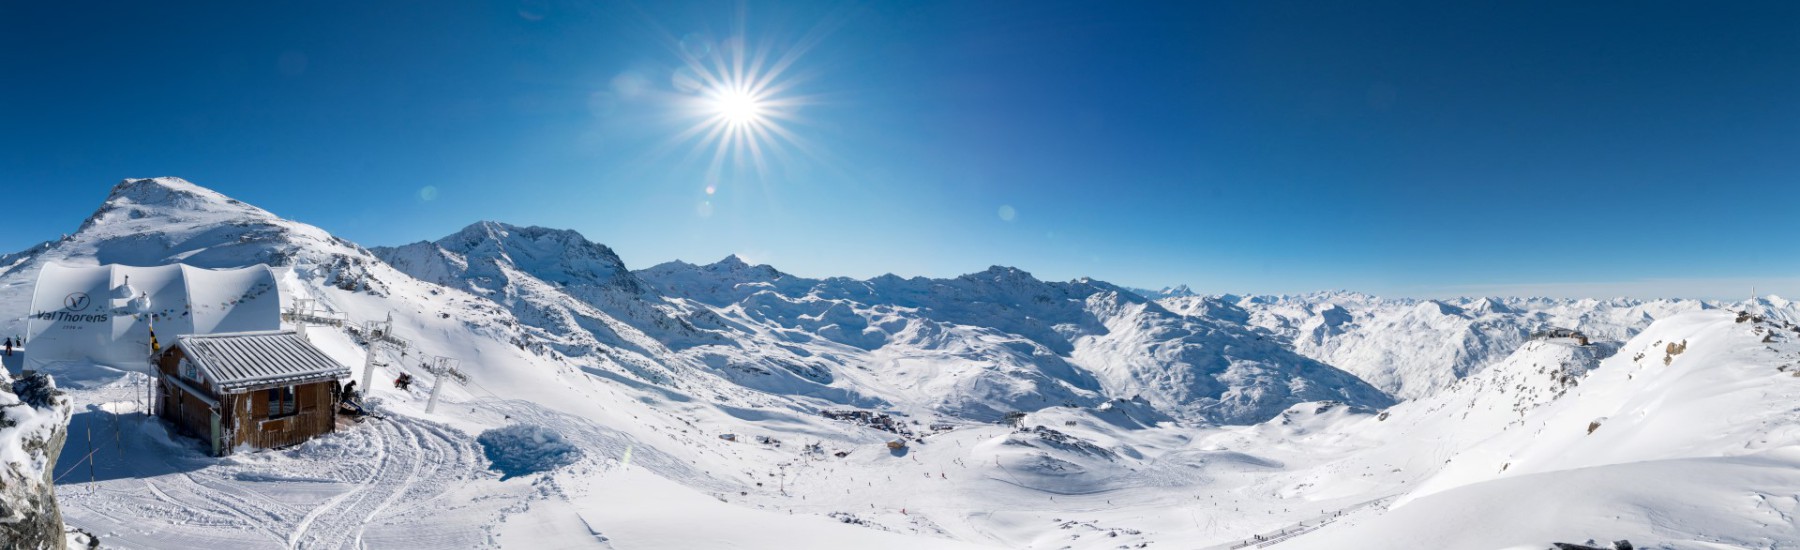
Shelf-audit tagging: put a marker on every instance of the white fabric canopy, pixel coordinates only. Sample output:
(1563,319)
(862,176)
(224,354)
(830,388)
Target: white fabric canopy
(103,314)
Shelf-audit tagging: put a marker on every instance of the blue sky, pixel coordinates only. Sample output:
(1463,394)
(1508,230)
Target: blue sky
(1400,148)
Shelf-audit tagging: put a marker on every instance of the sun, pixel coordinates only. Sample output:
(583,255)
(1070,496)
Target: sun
(739,104)
(737,107)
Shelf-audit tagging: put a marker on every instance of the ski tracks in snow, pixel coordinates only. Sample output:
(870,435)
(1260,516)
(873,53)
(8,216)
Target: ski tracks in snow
(399,483)
(418,461)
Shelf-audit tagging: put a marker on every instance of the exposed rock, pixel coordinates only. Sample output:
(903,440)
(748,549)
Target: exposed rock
(34,422)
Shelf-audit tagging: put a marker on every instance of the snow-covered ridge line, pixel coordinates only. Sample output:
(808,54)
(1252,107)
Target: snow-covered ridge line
(976,346)
(1412,348)
(1022,338)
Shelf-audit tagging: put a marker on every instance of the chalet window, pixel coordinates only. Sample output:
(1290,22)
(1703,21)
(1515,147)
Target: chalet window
(189,371)
(282,402)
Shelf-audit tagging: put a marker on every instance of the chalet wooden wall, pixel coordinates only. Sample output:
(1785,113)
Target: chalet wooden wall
(190,415)
(315,417)
(170,362)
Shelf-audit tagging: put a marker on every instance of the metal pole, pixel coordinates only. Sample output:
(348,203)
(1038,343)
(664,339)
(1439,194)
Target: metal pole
(91,476)
(369,366)
(431,403)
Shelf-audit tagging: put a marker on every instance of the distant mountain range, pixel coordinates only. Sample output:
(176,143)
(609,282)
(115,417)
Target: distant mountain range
(977,346)
(1148,412)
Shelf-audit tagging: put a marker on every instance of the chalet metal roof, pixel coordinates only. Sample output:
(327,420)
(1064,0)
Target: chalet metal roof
(239,361)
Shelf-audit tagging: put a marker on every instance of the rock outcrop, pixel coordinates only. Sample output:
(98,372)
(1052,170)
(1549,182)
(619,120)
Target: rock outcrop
(34,422)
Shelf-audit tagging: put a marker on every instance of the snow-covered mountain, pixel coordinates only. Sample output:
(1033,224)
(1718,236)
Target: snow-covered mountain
(157,221)
(977,346)
(1686,438)
(1414,348)
(1085,334)
(578,293)
(761,404)
(160,221)
(1177,291)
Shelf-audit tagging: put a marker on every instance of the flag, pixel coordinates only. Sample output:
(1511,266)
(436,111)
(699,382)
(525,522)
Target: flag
(155,347)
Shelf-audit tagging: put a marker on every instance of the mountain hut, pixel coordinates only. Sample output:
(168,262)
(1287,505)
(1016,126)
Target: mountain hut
(253,389)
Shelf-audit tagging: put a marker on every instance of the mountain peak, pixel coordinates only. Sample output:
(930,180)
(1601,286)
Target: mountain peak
(560,256)
(740,268)
(1489,305)
(1000,272)
(1439,308)
(169,199)
(168,192)
(732,261)
(162,184)
(503,237)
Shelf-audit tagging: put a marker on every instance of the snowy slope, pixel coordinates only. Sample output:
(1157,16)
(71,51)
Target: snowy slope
(1687,438)
(1413,348)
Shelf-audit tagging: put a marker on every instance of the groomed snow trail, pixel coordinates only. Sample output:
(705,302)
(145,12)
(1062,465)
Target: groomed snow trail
(417,460)
(378,484)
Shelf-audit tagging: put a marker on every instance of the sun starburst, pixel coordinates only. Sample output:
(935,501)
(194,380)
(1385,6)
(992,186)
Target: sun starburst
(737,107)
(740,100)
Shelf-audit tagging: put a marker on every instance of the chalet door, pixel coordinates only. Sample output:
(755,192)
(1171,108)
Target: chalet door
(216,441)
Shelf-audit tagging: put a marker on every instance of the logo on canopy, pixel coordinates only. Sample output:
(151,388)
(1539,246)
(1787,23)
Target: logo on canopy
(77,301)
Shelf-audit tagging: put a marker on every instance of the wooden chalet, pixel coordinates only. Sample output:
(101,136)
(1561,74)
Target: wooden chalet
(256,389)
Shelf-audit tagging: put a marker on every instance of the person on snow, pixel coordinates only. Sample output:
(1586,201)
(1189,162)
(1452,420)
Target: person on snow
(404,381)
(9,344)
(349,399)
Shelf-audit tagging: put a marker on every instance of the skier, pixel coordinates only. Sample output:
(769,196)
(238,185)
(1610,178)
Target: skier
(403,381)
(9,347)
